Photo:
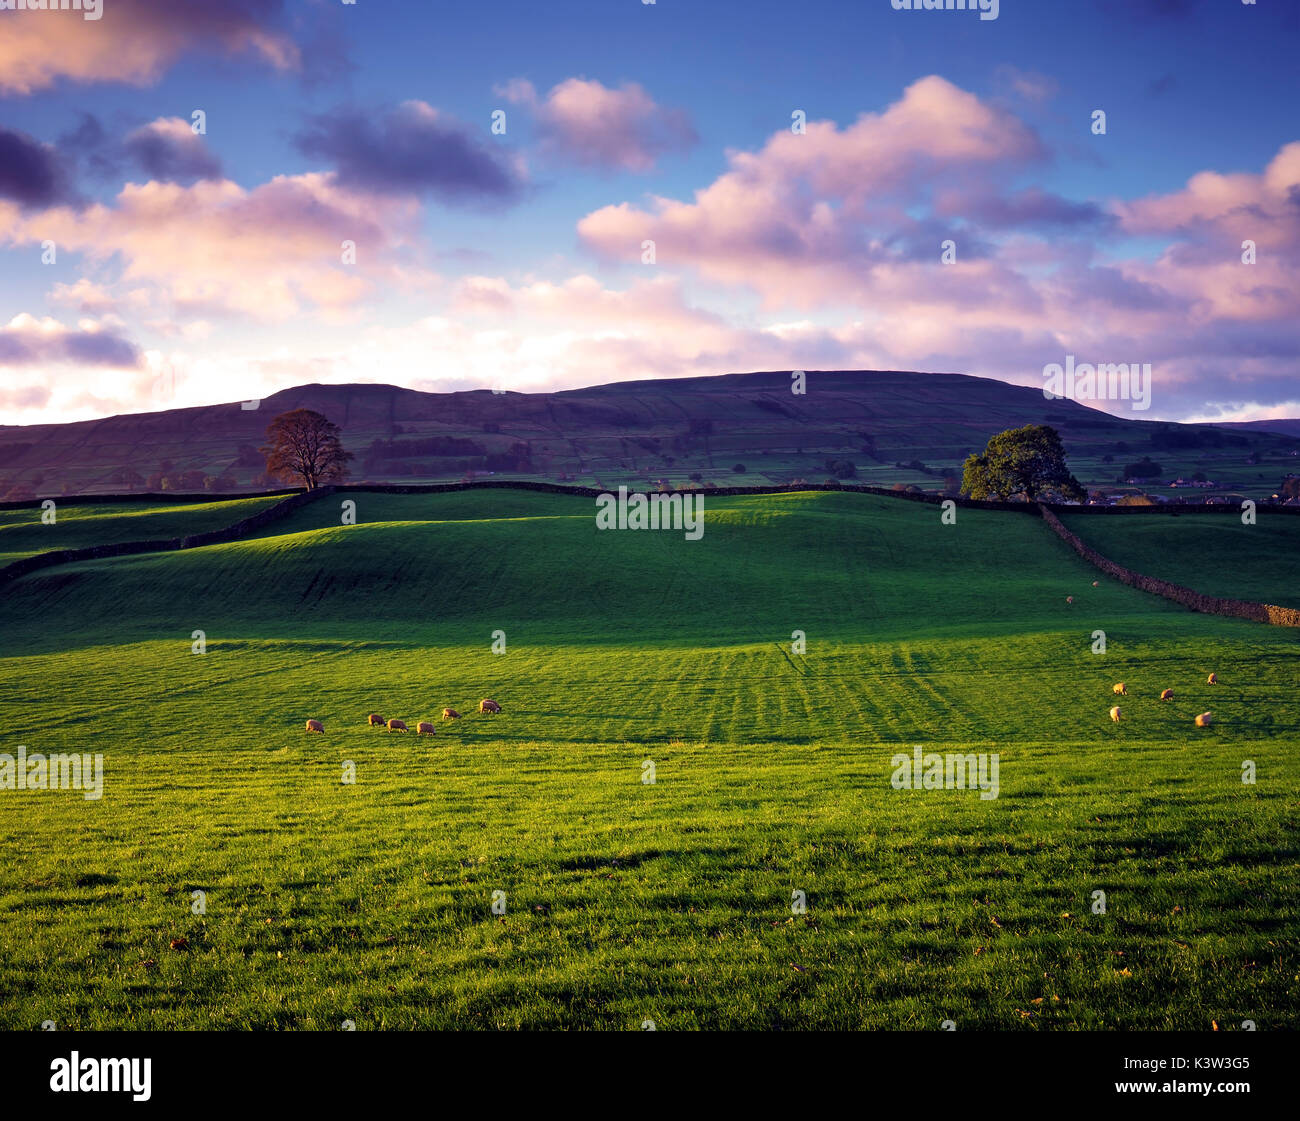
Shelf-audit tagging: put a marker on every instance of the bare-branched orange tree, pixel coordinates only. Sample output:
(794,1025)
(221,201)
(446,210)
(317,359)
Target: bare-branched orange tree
(304,446)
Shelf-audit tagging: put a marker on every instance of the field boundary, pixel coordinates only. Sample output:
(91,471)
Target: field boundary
(1187,597)
(1172,509)
(242,528)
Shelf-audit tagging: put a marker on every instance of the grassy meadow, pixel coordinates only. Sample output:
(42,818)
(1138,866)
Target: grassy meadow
(627,901)
(80,526)
(1213,553)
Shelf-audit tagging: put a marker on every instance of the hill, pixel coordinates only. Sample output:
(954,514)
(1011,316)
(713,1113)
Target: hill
(351,875)
(1289,426)
(891,427)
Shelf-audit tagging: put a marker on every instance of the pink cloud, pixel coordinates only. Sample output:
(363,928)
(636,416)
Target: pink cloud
(26,341)
(214,247)
(137,41)
(796,219)
(596,126)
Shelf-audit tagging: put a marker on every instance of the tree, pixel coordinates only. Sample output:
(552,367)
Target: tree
(1028,461)
(841,468)
(1142,469)
(304,445)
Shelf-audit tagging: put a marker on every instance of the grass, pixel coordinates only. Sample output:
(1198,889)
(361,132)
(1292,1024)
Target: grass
(1215,554)
(22,532)
(371,901)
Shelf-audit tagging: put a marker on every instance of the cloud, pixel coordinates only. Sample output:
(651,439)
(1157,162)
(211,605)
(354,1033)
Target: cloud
(27,341)
(169,150)
(414,150)
(847,224)
(24,398)
(137,40)
(31,173)
(1025,209)
(166,150)
(810,216)
(215,248)
(1026,85)
(595,126)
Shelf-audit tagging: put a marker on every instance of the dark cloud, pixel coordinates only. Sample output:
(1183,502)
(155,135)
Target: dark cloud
(31,173)
(171,152)
(1028,209)
(89,147)
(27,345)
(165,150)
(411,149)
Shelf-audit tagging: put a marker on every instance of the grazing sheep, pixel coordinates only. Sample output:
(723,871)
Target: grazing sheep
(1167,695)
(1213,679)
(375,720)
(1115,714)
(1121,689)
(424,728)
(398,726)
(315,726)
(1203,721)
(488,706)
(450,714)
(1094,583)
(1069,599)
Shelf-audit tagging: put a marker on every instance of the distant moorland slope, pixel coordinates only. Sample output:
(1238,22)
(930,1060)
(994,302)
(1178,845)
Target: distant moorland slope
(881,427)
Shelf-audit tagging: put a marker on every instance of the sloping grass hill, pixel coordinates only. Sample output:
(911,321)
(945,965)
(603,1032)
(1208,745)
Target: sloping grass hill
(764,677)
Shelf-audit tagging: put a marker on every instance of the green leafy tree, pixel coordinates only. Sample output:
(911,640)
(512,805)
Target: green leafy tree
(304,446)
(1028,461)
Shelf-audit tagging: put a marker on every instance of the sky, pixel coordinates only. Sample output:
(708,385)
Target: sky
(208,201)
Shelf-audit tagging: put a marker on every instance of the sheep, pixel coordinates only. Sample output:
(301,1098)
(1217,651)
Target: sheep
(1094,583)
(1115,714)
(375,720)
(315,726)
(1203,721)
(1213,679)
(486,705)
(1069,599)
(424,728)
(450,714)
(1166,694)
(397,726)
(1121,689)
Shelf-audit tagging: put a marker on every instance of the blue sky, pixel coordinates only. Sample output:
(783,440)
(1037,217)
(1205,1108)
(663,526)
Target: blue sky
(514,260)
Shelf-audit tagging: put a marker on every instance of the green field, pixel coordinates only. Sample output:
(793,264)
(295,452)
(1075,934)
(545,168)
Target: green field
(77,526)
(1213,553)
(625,901)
